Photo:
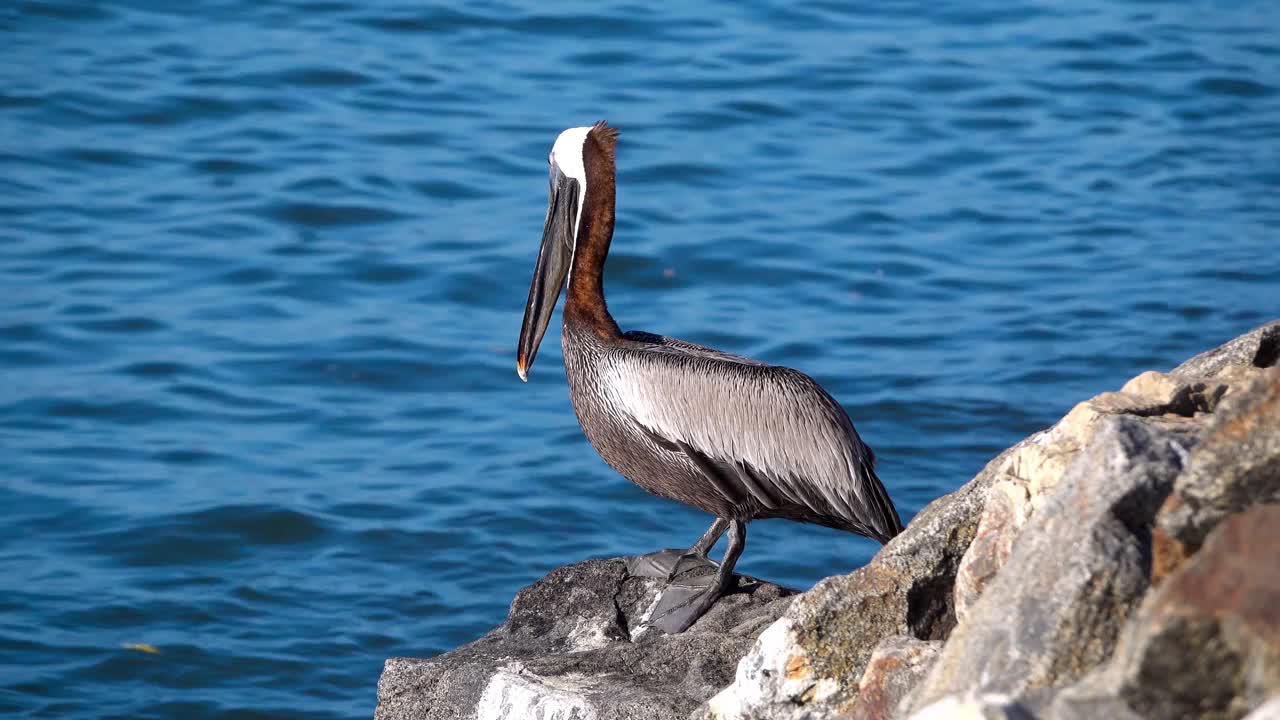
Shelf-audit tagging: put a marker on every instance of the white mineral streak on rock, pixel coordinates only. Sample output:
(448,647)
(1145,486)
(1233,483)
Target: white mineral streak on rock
(990,706)
(1270,710)
(641,627)
(516,694)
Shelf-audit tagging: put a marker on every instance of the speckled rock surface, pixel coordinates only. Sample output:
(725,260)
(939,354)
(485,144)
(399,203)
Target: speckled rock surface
(1259,348)
(565,652)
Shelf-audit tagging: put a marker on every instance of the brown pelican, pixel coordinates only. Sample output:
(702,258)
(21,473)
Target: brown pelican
(732,436)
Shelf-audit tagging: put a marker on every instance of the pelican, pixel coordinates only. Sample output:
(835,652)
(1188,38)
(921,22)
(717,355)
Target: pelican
(734,437)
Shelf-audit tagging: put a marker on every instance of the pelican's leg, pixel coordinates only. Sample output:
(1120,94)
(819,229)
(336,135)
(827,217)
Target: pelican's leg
(666,564)
(709,538)
(684,602)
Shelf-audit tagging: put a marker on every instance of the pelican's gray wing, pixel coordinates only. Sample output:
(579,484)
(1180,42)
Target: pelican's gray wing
(757,431)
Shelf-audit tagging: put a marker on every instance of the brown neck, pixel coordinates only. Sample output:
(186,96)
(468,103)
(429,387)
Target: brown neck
(595,231)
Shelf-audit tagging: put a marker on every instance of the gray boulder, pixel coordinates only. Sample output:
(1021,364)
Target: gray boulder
(1206,644)
(566,651)
(1030,473)
(1080,566)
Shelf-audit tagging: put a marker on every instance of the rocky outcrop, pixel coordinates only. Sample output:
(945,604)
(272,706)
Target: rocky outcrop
(1079,568)
(1029,475)
(1259,348)
(1066,625)
(1207,642)
(566,652)
(1120,564)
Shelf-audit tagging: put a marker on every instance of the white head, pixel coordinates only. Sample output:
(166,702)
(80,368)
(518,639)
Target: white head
(566,154)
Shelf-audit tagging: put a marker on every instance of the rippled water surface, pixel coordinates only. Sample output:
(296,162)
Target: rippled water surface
(263,268)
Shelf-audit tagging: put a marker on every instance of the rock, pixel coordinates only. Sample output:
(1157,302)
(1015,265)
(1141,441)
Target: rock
(1079,567)
(1235,465)
(1206,644)
(1098,569)
(1270,710)
(1177,401)
(1008,506)
(1259,348)
(513,692)
(974,706)
(808,663)
(1032,468)
(1027,476)
(565,652)
(896,666)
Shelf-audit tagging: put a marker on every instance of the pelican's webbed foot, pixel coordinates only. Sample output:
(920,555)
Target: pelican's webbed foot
(684,601)
(667,564)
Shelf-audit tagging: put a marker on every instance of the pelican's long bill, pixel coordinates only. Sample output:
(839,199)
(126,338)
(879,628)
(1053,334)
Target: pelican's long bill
(554,259)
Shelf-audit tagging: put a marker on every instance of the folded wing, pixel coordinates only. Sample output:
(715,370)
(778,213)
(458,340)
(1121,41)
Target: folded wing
(763,435)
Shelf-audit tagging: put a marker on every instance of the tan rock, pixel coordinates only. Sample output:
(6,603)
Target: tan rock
(896,666)
(1007,509)
(1152,385)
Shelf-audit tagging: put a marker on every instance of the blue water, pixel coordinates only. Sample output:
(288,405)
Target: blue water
(263,269)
